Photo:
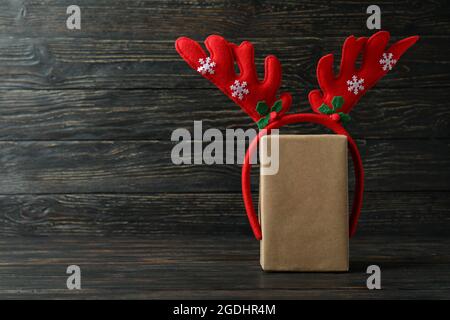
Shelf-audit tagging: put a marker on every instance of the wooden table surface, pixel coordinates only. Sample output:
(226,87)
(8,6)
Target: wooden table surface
(86,178)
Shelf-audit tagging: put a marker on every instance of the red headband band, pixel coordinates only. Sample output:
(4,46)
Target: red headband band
(259,98)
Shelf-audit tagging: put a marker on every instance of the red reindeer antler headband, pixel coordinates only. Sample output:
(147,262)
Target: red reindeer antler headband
(259,98)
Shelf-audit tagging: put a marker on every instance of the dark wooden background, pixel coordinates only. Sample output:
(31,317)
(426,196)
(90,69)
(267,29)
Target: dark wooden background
(85,171)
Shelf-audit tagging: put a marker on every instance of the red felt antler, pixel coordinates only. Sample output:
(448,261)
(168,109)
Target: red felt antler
(352,83)
(244,88)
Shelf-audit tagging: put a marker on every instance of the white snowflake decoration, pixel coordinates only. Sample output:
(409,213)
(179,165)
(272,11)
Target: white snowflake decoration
(239,89)
(355,85)
(388,61)
(206,66)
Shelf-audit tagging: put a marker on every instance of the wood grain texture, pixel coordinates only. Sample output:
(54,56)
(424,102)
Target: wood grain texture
(146,166)
(85,171)
(214,267)
(172,215)
(155,114)
(71,63)
(150,19)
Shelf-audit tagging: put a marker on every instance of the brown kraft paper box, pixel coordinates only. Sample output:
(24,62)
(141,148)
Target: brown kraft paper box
(304,206)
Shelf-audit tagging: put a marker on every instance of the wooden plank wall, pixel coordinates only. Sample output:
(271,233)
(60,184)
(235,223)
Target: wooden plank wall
(85,171)
(86,116)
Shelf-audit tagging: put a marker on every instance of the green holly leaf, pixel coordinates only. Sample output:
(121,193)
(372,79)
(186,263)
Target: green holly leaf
(345,118)
(263,122)
(337,102)
(277,106)
(325,109)
(262,108)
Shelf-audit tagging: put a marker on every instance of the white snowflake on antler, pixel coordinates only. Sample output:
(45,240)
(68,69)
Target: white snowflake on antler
(206,66)
(355,85)
(239,89)
(387,61)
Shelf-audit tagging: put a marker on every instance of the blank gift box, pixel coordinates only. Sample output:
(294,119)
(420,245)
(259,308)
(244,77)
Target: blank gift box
(304,206)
